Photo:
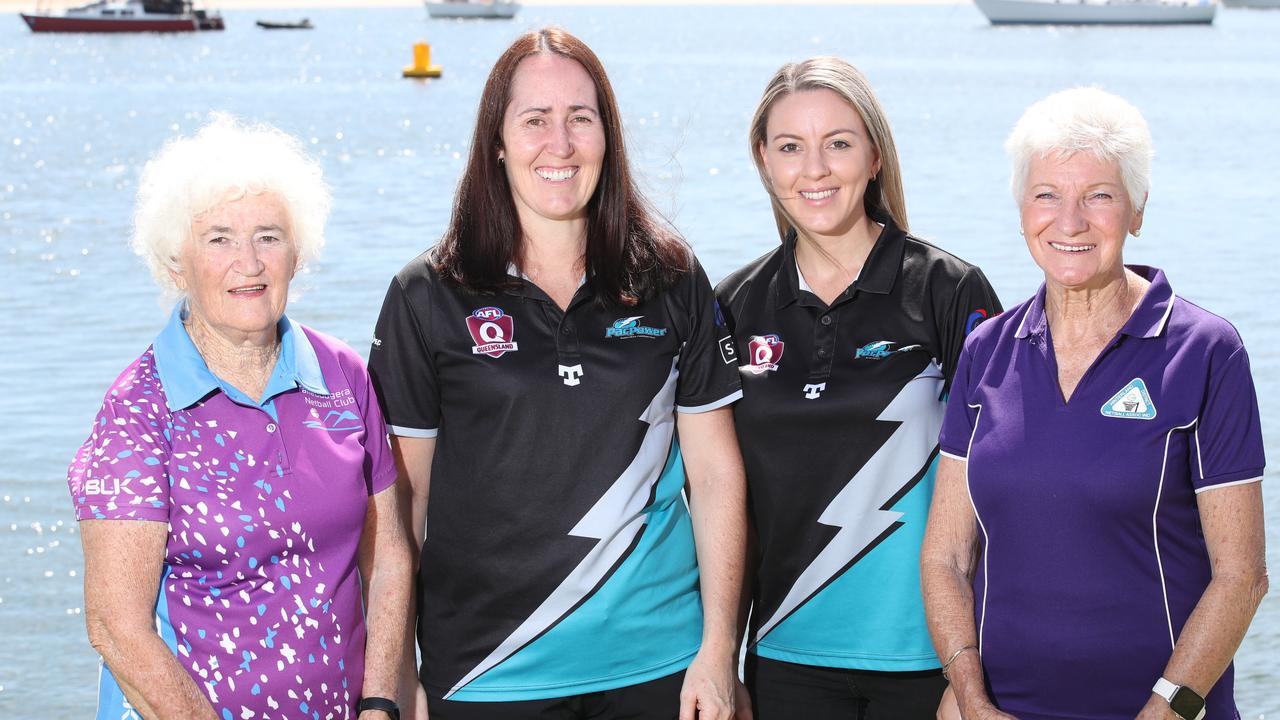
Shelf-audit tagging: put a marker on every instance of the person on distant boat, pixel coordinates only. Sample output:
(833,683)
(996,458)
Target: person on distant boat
(244,554)
(1095,548)
(848,334)
(535,367)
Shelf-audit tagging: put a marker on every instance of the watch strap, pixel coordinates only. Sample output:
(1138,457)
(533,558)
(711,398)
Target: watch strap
(1185,702)
(379,703)
(1165,689)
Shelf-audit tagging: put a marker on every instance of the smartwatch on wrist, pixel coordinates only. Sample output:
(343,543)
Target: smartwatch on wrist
(379,703)
(1184,701)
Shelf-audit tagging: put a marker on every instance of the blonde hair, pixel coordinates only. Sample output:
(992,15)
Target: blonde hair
(884,197)
(224,161)
(1084,119)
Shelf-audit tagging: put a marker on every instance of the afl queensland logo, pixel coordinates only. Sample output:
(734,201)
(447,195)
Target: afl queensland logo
(492,330)
(765,352)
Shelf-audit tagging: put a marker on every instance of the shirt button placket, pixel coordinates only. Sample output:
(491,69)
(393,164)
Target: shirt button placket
(824,344)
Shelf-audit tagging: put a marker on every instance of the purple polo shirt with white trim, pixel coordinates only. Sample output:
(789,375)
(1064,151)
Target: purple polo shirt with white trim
(1093,556)
(265,502)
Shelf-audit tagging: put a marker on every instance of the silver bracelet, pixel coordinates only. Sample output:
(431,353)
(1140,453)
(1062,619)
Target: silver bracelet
(947,665)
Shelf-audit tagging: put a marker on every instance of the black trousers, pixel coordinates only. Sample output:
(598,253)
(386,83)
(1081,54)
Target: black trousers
(654,700)
(787,691)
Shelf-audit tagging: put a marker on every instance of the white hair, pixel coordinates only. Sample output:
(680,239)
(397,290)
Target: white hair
(1084,119)
(224,161)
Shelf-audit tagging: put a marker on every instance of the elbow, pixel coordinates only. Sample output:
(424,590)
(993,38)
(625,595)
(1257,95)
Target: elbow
(1259,587)
(100,633)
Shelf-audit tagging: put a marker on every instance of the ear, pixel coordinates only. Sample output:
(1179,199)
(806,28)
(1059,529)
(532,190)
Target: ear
(1135,225)
(178,278)
(875,164)
(764,161)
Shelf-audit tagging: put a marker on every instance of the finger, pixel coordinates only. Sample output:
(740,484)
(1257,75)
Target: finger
(688,706)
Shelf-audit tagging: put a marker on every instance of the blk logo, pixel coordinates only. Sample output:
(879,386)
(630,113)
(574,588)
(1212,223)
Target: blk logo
(571,374)
(814,391)
(96,486)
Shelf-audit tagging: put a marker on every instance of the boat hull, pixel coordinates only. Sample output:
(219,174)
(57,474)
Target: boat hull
(1040,12)
(1252,3)
(499,11)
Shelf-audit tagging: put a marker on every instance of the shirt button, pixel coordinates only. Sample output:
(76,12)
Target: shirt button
(271,427)
(823,352)
(826,319)
(566,330)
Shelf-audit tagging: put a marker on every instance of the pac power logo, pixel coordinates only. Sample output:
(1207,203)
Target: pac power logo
(630,327)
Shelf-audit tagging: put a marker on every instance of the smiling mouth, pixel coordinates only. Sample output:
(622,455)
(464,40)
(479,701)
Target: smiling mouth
(1071,248)
(556,174)
(247,290)
(817,194)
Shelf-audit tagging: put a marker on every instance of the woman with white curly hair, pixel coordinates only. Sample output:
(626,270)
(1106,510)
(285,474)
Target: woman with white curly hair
(1095,547)
(244,555)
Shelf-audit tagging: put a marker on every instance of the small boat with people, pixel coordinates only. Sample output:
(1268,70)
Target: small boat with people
(128,16)
(1098,12)
(500,9)
(303,24)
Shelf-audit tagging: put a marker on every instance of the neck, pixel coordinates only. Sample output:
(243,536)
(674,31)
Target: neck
(245,362)
(836,258)
(558,248)
(1101,310)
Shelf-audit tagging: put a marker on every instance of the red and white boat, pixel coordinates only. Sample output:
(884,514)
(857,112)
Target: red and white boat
(126,16)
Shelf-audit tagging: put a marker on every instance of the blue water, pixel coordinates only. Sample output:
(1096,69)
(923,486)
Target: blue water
(79,115)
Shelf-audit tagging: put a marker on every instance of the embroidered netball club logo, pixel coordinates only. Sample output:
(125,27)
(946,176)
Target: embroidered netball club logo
(1133,402)
(493,332)
(766,352)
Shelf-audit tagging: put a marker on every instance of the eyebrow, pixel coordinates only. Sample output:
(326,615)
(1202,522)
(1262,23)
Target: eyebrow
(572,108)
(257,229)
(839,131)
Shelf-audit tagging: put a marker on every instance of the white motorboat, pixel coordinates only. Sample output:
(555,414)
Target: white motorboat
(1252,3)
(1098,12)
(501,9)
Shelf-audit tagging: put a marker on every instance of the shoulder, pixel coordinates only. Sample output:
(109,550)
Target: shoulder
(1190,325)
(1001,328)
(760,271)
(922,256)
(138,382)
(419,273)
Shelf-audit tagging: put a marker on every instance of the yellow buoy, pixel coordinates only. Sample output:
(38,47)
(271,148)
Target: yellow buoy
(422,67)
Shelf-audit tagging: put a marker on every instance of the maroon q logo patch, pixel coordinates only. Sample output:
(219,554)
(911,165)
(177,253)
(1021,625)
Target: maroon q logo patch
(493,332)
(766,353)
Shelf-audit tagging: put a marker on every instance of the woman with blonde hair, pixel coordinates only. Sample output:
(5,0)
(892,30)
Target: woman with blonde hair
(847,334)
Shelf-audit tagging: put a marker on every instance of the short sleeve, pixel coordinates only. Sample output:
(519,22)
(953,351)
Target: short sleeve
(708,367)
(402,368)
(121,470)
(960,417)
(974,301)
(1228,437)
(379,463)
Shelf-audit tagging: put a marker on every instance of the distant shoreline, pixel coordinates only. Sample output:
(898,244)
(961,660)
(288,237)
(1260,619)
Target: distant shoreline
(15,6)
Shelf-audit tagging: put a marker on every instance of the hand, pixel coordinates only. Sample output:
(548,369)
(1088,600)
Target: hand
(1157,708)
(980,709)
(708,690)
(948,708)
(742,703)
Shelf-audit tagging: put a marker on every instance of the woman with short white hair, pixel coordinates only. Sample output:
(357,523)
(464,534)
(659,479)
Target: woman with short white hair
(244,556)
(1095,546)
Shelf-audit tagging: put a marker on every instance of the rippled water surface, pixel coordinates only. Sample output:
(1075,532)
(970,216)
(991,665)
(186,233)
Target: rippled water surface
(80,114)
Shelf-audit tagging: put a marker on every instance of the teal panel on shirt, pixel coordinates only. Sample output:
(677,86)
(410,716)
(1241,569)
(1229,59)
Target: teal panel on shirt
(644,623)
(872,616)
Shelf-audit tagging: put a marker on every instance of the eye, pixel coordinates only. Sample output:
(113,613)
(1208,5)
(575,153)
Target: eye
(219,240)
(789,147)
(535,122)
(841,144)
(1100,197)
(581,119)
(268,239)
(1045,196)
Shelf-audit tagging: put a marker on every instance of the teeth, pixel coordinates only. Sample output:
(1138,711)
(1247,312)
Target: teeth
(564,174)
(254,288)
(818,195)
(1071,248)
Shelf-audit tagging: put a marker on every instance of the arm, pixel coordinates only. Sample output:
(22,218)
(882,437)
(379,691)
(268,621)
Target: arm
(717,504)
(386,574)
(413,461)
(123,560)
(1233,532)
(947,562)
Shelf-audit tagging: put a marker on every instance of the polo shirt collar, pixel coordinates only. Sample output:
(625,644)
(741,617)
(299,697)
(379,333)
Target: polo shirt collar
(879,273)
(1147,321)
(187,379)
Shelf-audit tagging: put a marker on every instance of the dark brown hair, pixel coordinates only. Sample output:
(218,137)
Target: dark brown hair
(631,253)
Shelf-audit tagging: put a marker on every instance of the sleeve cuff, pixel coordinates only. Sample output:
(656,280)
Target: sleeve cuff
(715,405)
(953,456)
(1228,484)
(402,431)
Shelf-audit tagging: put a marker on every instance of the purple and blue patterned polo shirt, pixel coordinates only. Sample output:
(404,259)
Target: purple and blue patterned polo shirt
(260,597)
(1093,557)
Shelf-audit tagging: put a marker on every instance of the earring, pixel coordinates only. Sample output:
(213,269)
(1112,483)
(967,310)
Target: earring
(1022,232)
(1137,232)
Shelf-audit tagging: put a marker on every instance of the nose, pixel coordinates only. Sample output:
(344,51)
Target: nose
(1071,219)
(248,262)
(560,143)
(815,165)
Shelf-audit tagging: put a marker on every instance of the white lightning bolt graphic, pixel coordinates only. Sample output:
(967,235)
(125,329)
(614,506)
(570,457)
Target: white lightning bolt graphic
(616,519)
(856,508)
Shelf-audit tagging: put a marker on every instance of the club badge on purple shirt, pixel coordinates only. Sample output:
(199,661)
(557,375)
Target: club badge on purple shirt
(492,330)
(765,352)
(1132,402)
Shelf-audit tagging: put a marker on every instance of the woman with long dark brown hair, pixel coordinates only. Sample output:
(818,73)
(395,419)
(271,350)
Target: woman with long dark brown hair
(535,366)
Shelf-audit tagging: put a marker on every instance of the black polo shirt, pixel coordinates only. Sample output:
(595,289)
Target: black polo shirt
(559,557)
(839,431)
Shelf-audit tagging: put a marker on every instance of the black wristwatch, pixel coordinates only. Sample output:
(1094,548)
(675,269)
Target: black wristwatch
(379,703)
(1184,701)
